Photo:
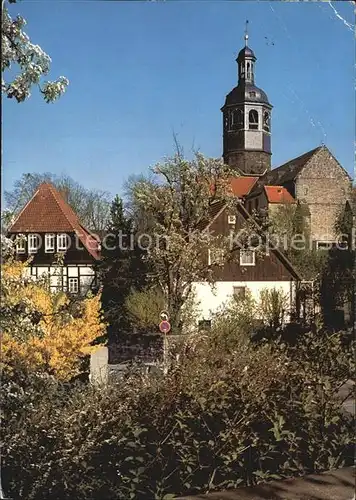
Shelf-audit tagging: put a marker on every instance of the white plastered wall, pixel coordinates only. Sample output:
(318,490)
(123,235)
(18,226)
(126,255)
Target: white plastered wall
(210,300)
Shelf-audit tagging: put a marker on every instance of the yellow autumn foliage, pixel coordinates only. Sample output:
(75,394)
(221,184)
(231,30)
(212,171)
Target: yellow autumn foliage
(65,335)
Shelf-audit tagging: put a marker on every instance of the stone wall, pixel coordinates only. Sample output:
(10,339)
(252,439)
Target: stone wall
(249,162)
(324,186)
(142,348)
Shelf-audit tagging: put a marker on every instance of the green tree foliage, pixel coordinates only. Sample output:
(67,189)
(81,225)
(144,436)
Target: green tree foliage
(122,269)
(223,416)
(245,317)
(290,225)
(91,205)
(172,206)
(337,282)
(30,61)
(236,318)
(144,307)
(274,305)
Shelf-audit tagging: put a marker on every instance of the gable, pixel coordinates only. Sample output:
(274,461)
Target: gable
(287,172)
(44,214)
(323,165)
(241,186)
(272,267)
(47,212)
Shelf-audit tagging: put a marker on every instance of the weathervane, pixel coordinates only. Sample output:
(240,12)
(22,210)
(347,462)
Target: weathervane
(246,32)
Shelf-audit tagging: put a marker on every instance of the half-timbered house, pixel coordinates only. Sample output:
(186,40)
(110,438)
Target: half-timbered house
(49,232)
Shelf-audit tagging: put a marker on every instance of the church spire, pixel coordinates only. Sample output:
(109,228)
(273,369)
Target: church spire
(246,33)
(247,119)
(246,62)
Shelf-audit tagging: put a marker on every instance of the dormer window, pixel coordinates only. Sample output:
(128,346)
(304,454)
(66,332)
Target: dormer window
(33,243)
(253,119)
(20,244)
(50,243)
(62,242)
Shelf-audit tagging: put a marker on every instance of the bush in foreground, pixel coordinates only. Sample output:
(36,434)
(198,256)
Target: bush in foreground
(220,418)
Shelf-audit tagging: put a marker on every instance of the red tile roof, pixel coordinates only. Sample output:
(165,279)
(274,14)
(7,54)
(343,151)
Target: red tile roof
(278,194)
(241,186)
(47,212)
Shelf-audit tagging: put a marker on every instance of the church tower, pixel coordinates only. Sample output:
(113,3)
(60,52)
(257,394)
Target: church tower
(247,120)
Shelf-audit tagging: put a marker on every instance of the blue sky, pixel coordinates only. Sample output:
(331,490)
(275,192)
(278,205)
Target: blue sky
(141,71)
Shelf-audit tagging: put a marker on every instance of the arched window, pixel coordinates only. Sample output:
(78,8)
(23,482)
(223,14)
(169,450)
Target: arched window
(248,75)
(266,121)
(237,119)
(253,119)
(242,70)
(226,121)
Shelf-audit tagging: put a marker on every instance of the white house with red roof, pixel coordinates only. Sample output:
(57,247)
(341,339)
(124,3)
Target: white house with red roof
(50,228)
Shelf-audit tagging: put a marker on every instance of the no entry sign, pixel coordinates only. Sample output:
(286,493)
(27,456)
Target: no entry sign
(164,326)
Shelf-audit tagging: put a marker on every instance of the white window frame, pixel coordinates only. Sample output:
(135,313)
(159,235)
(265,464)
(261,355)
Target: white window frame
(72,281)
(33,248)
(50,248)
(21,244)
(240,289)
(221,256)
(60,246)
(242,263)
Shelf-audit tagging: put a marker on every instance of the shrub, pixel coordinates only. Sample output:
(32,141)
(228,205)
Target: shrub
(42,330)
(223,416)
(144,307)
(273,306)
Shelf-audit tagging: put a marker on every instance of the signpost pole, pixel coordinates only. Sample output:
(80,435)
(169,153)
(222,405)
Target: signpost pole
(165,354)
(165,327)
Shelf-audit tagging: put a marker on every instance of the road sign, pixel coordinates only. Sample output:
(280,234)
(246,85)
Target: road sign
(164,316)
(164,326)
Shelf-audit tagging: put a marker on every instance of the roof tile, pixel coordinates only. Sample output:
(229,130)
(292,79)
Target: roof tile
(278,194)
(241,186)
(47,212)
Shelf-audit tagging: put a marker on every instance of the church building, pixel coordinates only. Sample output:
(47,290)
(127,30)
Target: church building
(315,178)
